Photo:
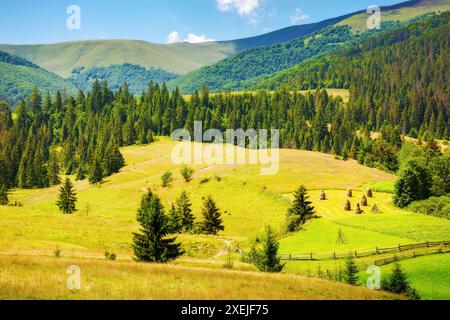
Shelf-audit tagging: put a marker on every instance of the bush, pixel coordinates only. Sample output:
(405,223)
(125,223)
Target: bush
(57,252)
(167,179)
(187,173)
(435,206)
(110,256)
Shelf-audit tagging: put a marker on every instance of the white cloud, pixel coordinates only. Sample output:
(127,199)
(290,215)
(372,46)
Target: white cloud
(299,16)
(244,8)
(173,37)
(193,38)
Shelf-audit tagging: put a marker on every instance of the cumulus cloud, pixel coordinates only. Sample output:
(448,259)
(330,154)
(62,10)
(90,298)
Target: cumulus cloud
(193,38)
(299,16)
(175,37)
(244,8)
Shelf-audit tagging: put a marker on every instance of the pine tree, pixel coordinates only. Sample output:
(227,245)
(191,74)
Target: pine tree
(184,209)
(67,198)
(96,173)
(300,211)
(398,283)
(351,271)
(151,243)
(53,169)
(266,259)
(212,222)
(3,195)
(187,173)
(175,225)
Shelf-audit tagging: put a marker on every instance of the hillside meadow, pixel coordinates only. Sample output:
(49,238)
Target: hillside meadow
(106,218)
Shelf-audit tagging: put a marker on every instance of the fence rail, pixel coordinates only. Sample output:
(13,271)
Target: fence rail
(361,253)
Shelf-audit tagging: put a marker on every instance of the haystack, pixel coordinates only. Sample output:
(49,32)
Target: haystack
(369,193)
(358,209)
(375,209)
(323,196)
(348,205)
(364,201)
(349,193)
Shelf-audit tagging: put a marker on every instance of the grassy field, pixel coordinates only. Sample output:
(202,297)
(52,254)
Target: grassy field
(106,215)
(45,278)
(358,23)
(426,274)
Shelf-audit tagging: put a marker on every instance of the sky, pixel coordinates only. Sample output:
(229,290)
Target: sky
(161,21)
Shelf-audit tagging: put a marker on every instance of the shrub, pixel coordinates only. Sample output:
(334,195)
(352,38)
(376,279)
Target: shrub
(204,180)
(57,252)
(187,173)
(167,179)
(435,206)
(110,255)
(383,186)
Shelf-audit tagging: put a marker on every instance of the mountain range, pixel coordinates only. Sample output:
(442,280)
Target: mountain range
(223,66)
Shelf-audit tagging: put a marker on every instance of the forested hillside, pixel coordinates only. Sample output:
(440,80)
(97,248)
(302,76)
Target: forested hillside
(400,78)
(137,77)
(19,76)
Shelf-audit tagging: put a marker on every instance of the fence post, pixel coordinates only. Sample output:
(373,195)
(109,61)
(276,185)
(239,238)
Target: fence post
(377,250)
(356,254)
(399,248)
(312,256)
(290,257)
(334,255)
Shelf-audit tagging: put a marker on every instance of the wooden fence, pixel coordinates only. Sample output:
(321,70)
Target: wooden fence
(361,253)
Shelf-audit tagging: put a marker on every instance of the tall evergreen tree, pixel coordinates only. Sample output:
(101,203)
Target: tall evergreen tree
(96,173)
(175,225)
(67,198)
(53,169)
(300,211)
(184,209)
(266,259)
(151,243)
(3,195)
(212,222)
(351,271)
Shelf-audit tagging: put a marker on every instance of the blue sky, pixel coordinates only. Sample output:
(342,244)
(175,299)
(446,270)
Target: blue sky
(44,21)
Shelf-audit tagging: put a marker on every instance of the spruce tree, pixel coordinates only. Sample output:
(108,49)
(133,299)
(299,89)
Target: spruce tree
(96,173)
(151,243)
(3,195)
(184,209)
(351,271)
(212,222)
(300,211)
(266,259)
(175,225)
(53,169)
(398,283)
(67,198)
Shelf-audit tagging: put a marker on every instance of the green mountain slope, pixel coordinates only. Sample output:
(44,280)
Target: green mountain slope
(18,77)
(136,76)
(178,58)
(246,68)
